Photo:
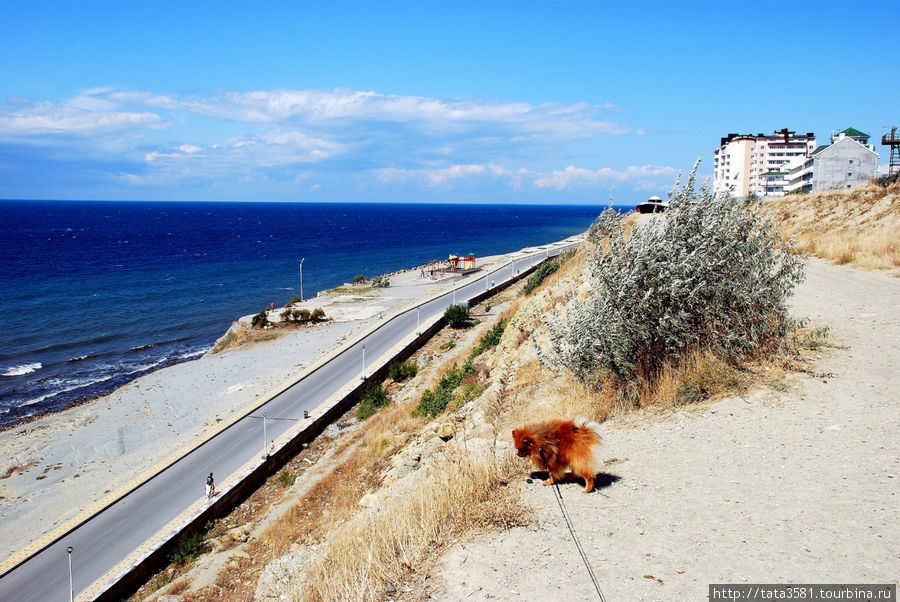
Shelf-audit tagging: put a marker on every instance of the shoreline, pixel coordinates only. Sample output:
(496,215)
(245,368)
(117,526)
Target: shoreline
(60,463)
(207,350)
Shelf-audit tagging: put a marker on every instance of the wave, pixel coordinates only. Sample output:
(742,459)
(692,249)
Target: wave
(80,358)
(74,386)
(23,369)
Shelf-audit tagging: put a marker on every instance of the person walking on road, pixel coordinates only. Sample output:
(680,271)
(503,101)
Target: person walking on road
(210,486)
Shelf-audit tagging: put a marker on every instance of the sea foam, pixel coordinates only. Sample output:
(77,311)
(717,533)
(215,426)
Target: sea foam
(23,369)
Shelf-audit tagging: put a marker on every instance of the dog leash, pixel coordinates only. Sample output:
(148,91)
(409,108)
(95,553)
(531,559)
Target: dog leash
(565,514)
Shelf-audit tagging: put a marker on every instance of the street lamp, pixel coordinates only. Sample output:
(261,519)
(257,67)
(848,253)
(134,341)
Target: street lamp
(363,377)
(265,437)
(71,587)
(301,279)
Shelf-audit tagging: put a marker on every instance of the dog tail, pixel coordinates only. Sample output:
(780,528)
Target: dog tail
(581,422)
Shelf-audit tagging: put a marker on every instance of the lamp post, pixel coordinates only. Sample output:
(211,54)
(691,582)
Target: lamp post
(71,587)
(265,437)
(301,279)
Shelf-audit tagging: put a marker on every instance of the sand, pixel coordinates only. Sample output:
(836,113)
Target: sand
(798,485)
(76,458)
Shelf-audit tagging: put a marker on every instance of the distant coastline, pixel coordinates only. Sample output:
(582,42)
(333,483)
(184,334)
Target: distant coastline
(151,285)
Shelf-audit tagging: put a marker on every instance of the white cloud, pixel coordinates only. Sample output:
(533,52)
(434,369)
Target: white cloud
(48,119)
(326,109)
(438,176)
(226,137)
(573,177)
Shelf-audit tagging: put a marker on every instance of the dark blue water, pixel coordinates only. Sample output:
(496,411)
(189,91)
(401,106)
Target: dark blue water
(95,294)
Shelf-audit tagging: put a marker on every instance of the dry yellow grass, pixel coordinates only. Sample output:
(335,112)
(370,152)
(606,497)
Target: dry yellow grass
(370,552)
(858,227)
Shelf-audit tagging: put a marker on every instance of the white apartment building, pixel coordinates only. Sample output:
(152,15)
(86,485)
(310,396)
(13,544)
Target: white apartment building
(745,164)
(849,161)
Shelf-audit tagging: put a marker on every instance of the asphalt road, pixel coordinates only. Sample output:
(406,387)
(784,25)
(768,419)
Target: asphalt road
(109,536)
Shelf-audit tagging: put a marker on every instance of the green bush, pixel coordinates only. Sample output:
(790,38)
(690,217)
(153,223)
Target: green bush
(381,282)
(286,478)
(887,180)
(359,279)
(317,315)
(542,271)
(399,371)
(260,320)
(467,393)
(187,549)
(301,315)
(294,299)
(373,399)
(713,274)
(457,316)
(433,403)
(491,338)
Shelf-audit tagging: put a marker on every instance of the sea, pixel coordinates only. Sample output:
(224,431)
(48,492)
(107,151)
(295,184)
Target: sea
(98,293)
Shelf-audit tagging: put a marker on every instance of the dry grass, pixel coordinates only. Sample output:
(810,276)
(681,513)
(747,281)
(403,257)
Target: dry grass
(333,499)
(857,227)
(369,553)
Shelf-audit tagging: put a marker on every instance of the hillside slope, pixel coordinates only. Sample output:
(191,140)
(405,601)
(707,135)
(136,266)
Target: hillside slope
(790,484)
(857,227)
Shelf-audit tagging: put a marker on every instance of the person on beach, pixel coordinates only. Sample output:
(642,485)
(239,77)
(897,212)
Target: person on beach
(210,486)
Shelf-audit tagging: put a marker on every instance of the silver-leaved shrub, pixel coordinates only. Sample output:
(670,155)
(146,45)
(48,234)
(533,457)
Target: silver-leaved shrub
(713,273)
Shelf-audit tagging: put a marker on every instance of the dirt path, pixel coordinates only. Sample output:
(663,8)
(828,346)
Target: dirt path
(800,485)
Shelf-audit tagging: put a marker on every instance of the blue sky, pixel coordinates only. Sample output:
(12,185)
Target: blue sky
(522,102)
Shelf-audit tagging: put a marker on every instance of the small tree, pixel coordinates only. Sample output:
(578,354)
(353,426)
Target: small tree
(317,315)
(457,316)
(359,279)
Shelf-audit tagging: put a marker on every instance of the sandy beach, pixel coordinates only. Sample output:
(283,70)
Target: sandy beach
(57,466)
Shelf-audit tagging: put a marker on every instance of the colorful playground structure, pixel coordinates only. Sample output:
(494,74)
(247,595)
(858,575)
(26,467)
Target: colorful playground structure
(461,263)
(456,262)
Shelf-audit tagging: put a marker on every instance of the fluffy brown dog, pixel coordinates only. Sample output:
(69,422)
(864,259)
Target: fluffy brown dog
(562,444)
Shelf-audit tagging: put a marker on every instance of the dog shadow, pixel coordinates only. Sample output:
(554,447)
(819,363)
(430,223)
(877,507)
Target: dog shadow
(602,480)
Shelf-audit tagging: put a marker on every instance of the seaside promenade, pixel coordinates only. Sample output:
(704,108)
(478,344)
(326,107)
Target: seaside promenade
(115,538)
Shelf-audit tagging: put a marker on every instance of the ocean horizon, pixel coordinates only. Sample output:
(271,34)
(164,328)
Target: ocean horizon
(99,293)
